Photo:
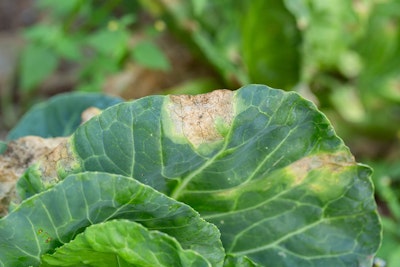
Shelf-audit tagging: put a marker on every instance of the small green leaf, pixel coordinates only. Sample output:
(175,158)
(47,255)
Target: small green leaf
(37,63)
(149,55)
(30,183)
(198,6)
(126,243)
(69,48)
(110,42)
(59,9)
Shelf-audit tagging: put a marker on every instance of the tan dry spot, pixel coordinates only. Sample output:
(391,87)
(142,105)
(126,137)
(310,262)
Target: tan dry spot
(20,154)
(60,158)
(89,113)
(195,117)
(333,162)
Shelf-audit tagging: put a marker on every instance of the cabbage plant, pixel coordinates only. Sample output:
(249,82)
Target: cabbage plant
(252,177)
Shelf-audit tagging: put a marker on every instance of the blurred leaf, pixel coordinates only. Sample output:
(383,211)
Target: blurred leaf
(380,45)
(350,64)
(193,87)
(327,29)
(3,147)
(94,73)
(149,55)
(355,112)
(94,84)
(199,6)
(386,178)
(126,20)
(37,63)
(391,241)
(59,116)
(60,8)
(271,44)
(64,44)
(69,48)
(111,42)
(215,33)
(391,89)
(394,258)
(42,33)
(380,50)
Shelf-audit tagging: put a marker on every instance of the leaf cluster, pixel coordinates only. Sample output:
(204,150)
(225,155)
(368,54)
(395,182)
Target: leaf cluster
(254,177)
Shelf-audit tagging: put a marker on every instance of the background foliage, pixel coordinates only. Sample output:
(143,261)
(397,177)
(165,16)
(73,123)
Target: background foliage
(341,54)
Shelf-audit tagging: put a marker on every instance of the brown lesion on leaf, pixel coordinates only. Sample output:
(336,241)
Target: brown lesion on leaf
(196,116)
(60,158)
(51,154)
(19,155)
(89,113)
(334,162)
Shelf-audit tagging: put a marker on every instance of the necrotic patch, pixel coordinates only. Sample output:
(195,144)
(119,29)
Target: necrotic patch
(199,118)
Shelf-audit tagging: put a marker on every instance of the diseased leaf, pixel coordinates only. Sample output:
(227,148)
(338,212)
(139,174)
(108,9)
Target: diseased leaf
(60,116)
(54,217)
(17,157)
(123,243)
(263,165)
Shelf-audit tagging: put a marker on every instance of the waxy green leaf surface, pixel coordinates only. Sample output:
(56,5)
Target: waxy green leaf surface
(54,217)
(123,243)
(263,165)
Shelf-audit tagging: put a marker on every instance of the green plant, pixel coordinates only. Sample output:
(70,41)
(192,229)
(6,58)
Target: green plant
(255,177)
(94,35)
(386,179)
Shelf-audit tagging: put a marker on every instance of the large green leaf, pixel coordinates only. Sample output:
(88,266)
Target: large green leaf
(60,116)
(123,243)
(265,166)
(54,217)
